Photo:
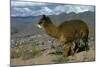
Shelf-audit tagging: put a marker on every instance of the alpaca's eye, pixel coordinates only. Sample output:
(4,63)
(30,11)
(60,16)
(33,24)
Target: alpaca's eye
(40,22)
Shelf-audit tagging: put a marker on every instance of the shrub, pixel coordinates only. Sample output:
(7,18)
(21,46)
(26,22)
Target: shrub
(60,59)
(15,53)
(29,52)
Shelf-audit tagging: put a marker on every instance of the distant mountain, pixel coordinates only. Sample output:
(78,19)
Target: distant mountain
(24,26)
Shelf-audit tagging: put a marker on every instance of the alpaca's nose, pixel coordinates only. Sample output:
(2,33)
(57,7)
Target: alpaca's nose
(39,26)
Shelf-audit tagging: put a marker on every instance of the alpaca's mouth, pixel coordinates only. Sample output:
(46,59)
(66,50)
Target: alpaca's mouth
(39,26)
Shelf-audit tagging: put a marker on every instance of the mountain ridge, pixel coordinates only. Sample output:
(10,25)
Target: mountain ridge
(27,25)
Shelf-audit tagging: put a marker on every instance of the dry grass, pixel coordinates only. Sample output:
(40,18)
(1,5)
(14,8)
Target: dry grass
(30,54)
(25,52)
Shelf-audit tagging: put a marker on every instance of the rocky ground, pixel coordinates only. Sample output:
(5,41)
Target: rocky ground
(42,49)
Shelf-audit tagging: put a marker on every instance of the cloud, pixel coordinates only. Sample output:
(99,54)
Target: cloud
(24,3)
(21,8)
(44,10)
(25,11)
(21,11)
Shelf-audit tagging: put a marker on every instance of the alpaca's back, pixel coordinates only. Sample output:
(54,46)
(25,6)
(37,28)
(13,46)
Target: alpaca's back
(74,29)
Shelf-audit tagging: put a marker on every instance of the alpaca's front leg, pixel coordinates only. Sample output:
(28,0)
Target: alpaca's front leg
(66,49)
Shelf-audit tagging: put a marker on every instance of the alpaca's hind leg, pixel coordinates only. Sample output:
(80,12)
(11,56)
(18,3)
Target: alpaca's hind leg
(77,43)
(85,40)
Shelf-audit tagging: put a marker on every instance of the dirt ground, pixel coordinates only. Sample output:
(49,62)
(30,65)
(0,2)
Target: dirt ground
(47,58)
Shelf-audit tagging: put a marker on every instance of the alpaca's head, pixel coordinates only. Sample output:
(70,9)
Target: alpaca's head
(44,22)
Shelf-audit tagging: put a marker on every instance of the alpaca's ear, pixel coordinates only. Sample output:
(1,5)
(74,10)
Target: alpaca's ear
(44,16)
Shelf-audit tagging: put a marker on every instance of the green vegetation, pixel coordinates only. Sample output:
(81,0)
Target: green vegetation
(60,59)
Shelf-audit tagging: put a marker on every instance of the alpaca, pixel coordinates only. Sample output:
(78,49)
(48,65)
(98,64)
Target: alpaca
(67,33)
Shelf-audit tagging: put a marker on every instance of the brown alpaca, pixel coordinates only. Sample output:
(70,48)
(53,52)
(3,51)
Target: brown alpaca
(67,32)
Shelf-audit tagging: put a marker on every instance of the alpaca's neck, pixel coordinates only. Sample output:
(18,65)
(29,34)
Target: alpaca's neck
(52,30)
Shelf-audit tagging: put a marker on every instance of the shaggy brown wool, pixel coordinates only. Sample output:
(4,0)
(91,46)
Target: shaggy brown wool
(67,32)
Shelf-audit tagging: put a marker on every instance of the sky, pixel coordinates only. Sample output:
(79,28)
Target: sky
(31,8)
